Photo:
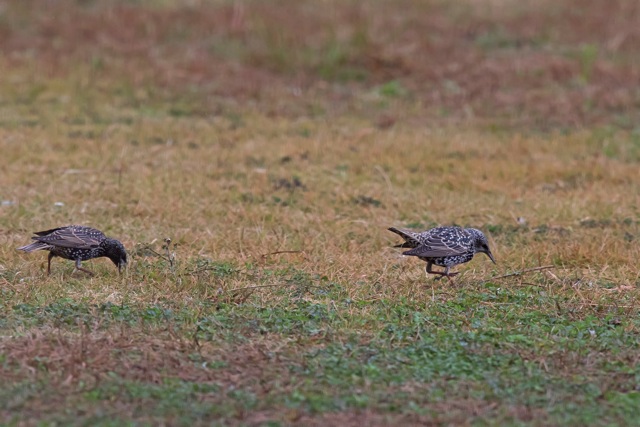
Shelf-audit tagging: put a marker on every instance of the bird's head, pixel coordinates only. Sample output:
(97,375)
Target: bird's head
(115,252)
(480,243)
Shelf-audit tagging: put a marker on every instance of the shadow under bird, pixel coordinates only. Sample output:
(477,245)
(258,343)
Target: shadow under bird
(444,246)
(78,243)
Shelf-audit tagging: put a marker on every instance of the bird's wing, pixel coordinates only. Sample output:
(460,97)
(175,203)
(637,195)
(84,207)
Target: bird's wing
(435,246)
(71,237)
(410,240)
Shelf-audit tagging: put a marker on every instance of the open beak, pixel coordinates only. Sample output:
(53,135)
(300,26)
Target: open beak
(490,255)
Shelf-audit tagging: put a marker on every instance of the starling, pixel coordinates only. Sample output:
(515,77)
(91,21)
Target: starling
(444,246)
(78,243)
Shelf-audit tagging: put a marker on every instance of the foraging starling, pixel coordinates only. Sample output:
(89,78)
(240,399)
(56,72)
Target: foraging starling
(444,246)
(78,243)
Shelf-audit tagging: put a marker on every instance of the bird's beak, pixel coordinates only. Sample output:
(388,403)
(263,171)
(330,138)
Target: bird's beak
(490,255)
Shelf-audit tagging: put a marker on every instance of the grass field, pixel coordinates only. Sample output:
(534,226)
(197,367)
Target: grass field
(274,143)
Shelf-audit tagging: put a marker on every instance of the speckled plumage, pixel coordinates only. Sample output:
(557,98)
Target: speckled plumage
(78,243)
(444,246)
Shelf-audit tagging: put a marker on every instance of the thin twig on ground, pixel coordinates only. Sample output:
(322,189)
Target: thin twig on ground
(260,286)
(263,256)
(271,286)
(150,249)
(519,273)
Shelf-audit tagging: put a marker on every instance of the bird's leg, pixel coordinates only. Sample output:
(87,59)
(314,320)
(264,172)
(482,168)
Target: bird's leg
(444,273)
(431,271)
(449,275)
(90,273)
(50,257)
(428,269)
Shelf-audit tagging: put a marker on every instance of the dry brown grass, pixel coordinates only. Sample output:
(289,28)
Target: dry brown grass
(274,143)
(215,192)
(229,194)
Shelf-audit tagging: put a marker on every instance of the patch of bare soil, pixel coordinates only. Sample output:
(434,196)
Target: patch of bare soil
(70,358)
(76,363)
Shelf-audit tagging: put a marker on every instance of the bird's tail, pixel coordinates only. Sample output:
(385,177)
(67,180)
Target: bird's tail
(35,246)
(409,240)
